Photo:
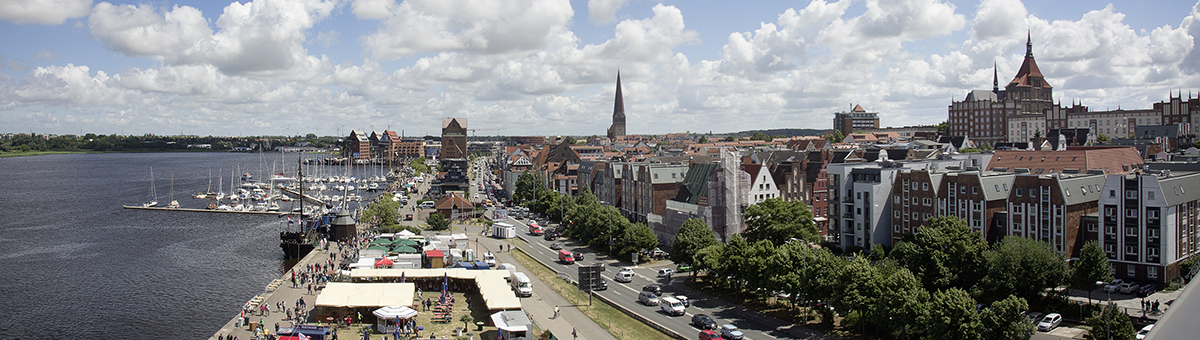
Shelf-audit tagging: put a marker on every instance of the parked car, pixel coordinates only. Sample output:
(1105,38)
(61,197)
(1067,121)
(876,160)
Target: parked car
(1147,290)
(648,298)
(1127,288)
(655,289)
(665,272)
(729,331)
(1035,317)
(556,246)
(1112,287)
(1145,330)
(709,334)
(1049,322)
(703,321)
(408,217)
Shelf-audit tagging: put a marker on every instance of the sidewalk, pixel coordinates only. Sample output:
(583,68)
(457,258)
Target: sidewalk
(284,293)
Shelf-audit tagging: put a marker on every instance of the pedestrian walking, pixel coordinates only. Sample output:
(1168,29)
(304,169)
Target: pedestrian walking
(555,312)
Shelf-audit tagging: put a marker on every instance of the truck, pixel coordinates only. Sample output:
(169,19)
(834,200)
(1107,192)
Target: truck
(535,229)
(566,257)
(520,284)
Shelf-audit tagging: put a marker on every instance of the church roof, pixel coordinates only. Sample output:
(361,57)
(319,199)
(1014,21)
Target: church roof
(1029,69)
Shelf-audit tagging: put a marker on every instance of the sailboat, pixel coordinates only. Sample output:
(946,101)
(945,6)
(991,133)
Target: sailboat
(298,243)
(153,195)
(174,204)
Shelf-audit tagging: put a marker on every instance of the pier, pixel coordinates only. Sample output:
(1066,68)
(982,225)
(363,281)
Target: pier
(212,210)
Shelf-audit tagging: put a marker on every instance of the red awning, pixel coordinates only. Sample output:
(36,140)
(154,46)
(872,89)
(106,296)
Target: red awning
(383,262)
(434,253)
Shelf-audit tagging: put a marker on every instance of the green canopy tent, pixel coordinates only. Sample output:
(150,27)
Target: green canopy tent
(405,250)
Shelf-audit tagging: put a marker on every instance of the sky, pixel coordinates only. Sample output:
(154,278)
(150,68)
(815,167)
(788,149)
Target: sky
(549,67)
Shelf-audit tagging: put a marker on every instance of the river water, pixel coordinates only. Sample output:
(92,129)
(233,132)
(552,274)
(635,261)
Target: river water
(74,264)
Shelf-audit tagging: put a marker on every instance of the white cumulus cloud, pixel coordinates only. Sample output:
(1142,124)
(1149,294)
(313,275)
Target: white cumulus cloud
(603,11)
(45,12)
(477,26)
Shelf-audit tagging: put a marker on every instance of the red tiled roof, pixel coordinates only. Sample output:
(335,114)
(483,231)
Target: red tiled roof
(1114,160)
(1028,69)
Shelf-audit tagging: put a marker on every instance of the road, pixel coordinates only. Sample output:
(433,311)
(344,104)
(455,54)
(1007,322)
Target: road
(753,324)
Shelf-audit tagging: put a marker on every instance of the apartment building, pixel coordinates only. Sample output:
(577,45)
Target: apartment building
(1150,223)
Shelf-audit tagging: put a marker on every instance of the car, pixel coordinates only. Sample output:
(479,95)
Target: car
(655,289)
(550,236)
(1035,317)
(623,277)
(703,321)
(1145,330)
(1049,322)
(683,268)
(648,298)
(625,270)
(1147,290)
(709,334)
(729,331)
(556,246)
(578,257)
(665,272)
(1127,288)
(683,299)
(1112,287)
(603,285)
(490,259)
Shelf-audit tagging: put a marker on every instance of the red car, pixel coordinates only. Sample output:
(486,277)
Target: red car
(709,334)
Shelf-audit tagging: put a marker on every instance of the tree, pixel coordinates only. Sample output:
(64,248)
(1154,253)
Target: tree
(703,140)
(943,128)
(1092,266)
(952,316)
(1110,323)
(437,222)
(1004,321)
(1024,267)
(693,236)
(710,259)
(835,137)
(945,253)
(637,238)
(759,135)
(467,319)
(728,138)
(778,221)
(900,304)
(1102,138)
(527,186)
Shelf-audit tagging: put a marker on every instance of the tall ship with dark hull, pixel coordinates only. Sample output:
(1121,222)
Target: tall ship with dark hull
(298,243)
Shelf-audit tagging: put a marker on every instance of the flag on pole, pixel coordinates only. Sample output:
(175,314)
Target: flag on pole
(290,219)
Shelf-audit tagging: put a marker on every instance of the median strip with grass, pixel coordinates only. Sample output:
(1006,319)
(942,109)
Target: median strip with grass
(620,325)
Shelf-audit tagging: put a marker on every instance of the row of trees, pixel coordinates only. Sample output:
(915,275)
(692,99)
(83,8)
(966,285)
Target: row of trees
(585,219)
(926,288)
(23,142)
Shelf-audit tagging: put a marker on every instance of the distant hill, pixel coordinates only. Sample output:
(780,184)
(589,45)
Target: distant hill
(780,132)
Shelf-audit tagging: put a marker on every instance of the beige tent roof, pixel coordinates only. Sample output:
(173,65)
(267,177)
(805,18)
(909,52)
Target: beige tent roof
(492,284)
(343,294)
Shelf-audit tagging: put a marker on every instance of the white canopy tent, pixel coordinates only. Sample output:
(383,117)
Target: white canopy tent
(386,317)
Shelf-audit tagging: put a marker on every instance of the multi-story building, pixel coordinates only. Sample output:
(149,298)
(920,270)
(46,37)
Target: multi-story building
(858,119)
(760,185)
(914,201)
(357,146)
(1150,223)
(1050,208)
(978,198)
(454,138)
(647,186)
(408,149)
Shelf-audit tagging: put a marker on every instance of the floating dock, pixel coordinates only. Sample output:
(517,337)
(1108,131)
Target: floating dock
(212,210)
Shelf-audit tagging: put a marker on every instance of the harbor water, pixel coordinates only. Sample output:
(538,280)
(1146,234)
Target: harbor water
(74,264)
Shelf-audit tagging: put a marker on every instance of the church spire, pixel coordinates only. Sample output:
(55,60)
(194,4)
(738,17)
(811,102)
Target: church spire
(995,79)
(1028,44)
(619,104)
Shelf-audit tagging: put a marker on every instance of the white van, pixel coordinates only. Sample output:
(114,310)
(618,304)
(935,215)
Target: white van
(671,306)
(520,284)
(507,266)
(426,205)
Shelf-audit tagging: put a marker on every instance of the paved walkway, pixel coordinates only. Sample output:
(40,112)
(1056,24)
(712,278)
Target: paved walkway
(285,293)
